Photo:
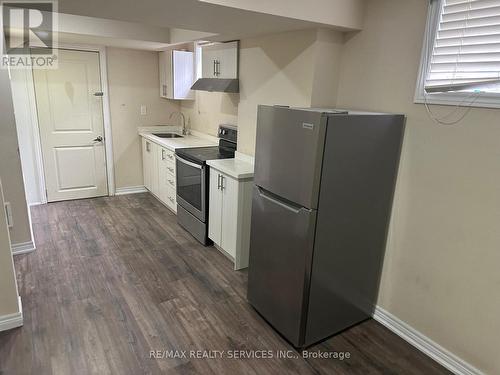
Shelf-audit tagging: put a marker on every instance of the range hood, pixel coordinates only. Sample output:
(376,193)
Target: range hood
(219,68)
(217,85)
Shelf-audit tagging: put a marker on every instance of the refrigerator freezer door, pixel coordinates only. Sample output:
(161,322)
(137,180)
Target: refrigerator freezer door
(280,259)
(289,152)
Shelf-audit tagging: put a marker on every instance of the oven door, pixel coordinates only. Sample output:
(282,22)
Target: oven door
(192,187)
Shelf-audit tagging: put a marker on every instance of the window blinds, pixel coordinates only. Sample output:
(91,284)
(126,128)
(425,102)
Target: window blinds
(466,51)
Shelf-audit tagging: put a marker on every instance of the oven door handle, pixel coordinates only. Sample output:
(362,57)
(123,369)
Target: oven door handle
(191,164)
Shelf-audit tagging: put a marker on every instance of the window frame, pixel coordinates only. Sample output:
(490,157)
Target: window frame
(485,100)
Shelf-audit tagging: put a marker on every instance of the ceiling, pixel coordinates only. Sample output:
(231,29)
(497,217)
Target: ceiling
(225,22)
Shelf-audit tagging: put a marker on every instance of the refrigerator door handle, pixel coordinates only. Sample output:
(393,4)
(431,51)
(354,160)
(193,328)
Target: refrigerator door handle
(272,198)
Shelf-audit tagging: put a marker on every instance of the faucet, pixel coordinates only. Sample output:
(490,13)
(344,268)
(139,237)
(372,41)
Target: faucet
(184,132)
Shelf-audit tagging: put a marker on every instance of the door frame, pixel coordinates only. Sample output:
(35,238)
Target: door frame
(108,141)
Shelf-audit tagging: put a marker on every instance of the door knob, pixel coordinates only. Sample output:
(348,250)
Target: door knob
(98,139)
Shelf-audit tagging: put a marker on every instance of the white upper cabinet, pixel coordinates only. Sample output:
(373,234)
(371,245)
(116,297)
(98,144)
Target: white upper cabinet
(176,74)
(220,60)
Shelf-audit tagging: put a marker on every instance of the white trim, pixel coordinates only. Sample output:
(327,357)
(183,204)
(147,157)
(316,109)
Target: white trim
(424,344)
(11,321)
(23,248)
(130,190)
(108,139)
(37,141)
(484,100)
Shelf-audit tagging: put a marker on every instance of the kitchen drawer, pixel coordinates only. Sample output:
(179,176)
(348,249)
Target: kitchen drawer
(171,200)
(171,181)
(170,169)
(169,157)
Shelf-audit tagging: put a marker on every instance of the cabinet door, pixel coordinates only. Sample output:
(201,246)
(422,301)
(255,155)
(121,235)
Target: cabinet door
(230,218)
(183,75)
(146,162)
(226,56)
(228,60)
(214,207)
(163,73)
(208,56)
(155,156)
(162,175)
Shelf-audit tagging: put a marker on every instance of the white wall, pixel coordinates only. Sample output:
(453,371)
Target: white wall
(10,165)
(133,78)
(441,272)
(8,284)
(209,110)
(298,68)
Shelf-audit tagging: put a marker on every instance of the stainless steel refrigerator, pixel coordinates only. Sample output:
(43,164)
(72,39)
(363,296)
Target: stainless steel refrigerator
(323,190)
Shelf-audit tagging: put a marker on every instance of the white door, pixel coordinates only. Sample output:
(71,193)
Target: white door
(71,127)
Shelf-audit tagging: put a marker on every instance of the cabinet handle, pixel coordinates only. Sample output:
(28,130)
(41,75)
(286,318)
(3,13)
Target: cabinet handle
(162,154)
(170,169)
(222,182)
(218,181)
(215,67)
(148,146)
(164,90)
(171,182)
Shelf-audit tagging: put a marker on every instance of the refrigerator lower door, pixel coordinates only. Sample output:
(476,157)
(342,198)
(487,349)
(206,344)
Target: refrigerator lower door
(280,260)
(289,152)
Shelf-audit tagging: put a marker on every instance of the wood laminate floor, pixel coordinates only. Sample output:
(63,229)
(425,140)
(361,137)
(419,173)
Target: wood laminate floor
(113,279)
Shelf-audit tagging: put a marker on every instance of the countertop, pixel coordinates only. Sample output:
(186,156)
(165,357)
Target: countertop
(173,143)
(235,168)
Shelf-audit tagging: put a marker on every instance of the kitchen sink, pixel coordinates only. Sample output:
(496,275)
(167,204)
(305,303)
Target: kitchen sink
(168,135)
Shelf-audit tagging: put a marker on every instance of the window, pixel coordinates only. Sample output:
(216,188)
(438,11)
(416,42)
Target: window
(461,54)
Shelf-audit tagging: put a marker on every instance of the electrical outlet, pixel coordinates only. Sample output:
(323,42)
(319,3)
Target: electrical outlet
(144,110)
(8,214)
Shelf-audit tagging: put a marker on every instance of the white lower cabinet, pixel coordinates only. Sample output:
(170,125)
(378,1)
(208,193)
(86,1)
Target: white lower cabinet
(229,216)
(159,172)
(155,182)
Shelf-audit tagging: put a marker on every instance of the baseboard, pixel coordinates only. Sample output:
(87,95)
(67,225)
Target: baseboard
(424,344)
(130,190)
(22,248)
(12,320)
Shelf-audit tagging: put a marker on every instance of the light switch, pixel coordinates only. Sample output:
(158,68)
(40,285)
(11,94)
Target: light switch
(144,110)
